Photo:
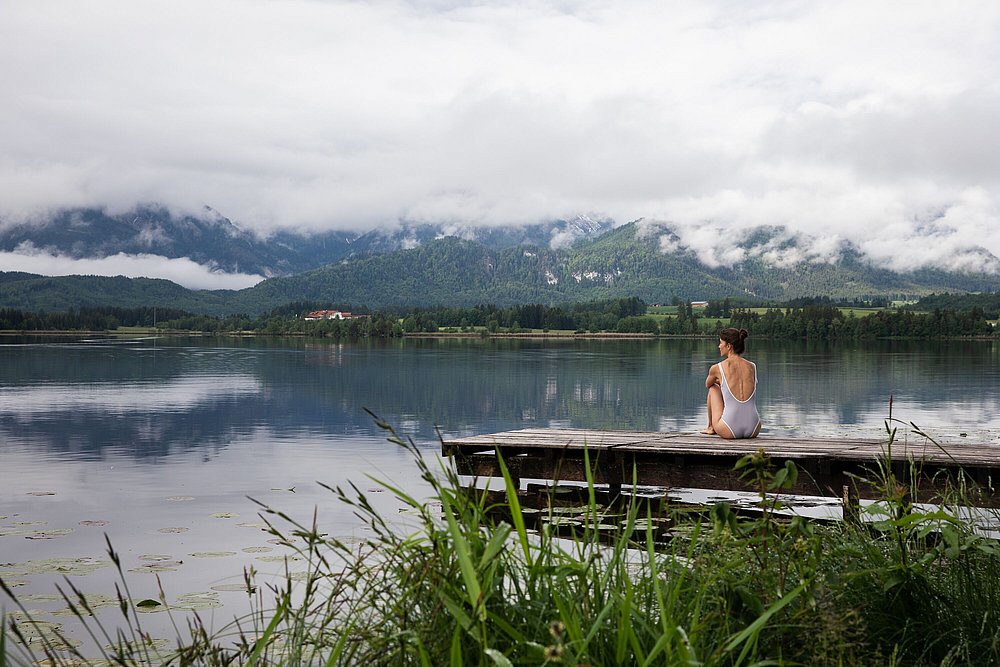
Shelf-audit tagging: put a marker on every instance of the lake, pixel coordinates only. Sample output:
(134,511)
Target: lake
(158,442)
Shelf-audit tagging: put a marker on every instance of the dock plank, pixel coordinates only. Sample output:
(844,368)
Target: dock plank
(678,459)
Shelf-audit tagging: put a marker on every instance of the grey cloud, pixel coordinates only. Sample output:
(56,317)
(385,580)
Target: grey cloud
(850,120)
(951,141)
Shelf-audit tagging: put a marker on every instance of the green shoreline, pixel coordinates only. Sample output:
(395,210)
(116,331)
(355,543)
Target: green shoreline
(605,335)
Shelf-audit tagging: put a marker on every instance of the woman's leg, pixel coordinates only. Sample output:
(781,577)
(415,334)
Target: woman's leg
(715,406)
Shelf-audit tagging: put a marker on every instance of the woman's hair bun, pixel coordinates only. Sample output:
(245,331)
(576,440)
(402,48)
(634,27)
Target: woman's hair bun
(743,334)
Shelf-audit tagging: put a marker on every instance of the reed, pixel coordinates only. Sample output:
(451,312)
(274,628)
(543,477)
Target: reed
(465,580)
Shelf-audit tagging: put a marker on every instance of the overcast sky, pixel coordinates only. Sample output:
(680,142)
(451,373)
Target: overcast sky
(869,121)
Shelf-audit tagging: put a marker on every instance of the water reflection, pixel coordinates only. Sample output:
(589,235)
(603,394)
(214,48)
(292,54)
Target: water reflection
(181,394)
(112,432)
(54,401)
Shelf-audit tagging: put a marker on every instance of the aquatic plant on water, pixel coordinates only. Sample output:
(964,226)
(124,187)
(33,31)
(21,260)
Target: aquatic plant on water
(463,580)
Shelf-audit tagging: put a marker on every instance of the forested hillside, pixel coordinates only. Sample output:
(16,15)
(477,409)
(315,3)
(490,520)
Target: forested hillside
(988,303)
(448,271)
(626,261)
(42,293)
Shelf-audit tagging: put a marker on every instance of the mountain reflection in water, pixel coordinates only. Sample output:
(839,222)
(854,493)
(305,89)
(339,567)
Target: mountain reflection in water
(161,396)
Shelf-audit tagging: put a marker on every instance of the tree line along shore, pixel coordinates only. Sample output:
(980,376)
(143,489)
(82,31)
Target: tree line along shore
(816,319)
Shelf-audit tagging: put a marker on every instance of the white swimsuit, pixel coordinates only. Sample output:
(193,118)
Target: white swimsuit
(741,417)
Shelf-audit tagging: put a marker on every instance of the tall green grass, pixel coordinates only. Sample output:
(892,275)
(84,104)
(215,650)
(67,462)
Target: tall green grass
(472,578)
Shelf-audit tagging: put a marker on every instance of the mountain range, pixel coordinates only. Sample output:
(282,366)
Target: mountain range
(416,265)
(215,241)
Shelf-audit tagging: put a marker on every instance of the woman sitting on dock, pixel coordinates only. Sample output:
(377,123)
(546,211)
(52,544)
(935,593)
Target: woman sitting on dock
(732,388)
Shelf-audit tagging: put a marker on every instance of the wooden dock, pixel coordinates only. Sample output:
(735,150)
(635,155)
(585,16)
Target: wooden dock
(842,468)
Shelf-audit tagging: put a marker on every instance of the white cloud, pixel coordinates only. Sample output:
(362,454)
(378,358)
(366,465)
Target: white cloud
(853,120)
(561,239)
(183,271)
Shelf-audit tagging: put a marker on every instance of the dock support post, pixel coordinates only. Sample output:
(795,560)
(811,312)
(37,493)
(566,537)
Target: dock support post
(851,504)
(513,465)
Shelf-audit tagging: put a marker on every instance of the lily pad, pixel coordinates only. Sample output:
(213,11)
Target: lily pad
(567,510)
(238,588)
(41,493)
(148,603)
(188,601)
(195,601)
(68,566)
(156,568)
(256,550)
(563,521)
(40,597)
(604,526)
(147,644)
(93,601)
(279,559)
(173,530)
(212,554)
(180,499)
(48,534)
(41,633)
(224,515)
(155,557)
(94,522)
(247,524)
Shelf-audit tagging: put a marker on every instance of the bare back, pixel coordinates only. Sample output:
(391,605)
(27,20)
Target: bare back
(741,377)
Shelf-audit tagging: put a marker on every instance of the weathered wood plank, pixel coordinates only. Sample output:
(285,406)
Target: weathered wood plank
(697,461)
(843,449)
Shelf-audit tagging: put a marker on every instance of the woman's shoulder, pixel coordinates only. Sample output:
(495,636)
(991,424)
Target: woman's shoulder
(739,362)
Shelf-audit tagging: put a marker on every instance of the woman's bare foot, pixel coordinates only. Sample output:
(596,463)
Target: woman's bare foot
(708,431)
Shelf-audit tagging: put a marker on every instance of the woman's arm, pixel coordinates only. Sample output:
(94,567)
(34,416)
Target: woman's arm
(713,377)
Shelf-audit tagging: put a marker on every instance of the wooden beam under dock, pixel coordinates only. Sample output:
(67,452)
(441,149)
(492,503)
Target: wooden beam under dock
(835,467)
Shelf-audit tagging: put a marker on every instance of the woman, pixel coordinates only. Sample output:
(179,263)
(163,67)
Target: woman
(732,388)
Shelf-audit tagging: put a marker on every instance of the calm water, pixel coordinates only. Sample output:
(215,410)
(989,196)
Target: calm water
(158,442)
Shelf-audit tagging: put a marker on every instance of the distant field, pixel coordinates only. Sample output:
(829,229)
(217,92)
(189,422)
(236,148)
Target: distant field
(663,311)
(856,311)
(137,330)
